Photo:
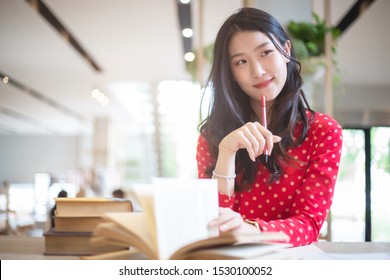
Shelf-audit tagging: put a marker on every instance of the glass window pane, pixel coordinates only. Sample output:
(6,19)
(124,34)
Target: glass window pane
(348,208)
(380,187)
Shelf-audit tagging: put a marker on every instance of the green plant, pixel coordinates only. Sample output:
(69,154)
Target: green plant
(309,38)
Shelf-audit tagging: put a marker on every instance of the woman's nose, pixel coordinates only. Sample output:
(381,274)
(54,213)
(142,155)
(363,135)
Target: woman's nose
(257,70)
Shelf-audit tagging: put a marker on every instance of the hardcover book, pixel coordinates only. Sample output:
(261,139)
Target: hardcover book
(83,207)
(76,243)
(77,223)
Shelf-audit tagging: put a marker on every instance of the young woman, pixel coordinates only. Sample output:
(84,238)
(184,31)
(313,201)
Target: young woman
(277,175)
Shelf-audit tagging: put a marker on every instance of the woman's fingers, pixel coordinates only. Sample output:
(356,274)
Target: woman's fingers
(276,138)
(260,139)
(227,220)
(249,142)
(253,137)
(257,139)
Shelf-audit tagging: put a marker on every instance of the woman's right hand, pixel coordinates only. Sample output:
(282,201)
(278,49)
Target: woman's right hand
(231,221)
(253,137)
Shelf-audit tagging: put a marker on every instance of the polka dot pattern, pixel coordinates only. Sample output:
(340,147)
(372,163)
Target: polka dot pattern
(299,201)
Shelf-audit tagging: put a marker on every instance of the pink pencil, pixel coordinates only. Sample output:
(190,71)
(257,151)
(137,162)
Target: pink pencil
(264,120)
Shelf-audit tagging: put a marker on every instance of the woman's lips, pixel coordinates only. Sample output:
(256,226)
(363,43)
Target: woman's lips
(263,84)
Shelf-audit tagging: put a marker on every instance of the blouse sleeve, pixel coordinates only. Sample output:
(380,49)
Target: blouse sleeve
(203,158)
(314,196)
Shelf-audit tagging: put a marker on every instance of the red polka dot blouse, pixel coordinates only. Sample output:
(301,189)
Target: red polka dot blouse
(299,201)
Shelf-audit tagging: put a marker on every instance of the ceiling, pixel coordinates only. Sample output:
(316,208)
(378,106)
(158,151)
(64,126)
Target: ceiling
(134,41)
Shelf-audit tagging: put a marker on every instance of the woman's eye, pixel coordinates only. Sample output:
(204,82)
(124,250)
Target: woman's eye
(240,62)
(267,52)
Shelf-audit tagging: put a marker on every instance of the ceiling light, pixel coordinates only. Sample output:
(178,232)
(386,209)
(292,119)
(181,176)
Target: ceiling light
(100,97)
(5,79)
(95,93)
(187,32)
(189,56)
(185,1)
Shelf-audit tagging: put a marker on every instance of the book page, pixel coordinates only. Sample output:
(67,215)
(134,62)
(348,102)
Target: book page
(119,255)
(182,209)
(222,243)
(136,226)
(240,251)
(144,195)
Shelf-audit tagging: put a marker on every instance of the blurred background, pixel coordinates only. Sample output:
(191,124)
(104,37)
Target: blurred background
(99,95)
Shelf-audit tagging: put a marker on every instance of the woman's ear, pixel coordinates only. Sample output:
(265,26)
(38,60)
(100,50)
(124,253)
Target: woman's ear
(287,49)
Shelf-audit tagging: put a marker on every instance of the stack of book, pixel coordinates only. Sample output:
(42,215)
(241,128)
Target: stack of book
(75,221)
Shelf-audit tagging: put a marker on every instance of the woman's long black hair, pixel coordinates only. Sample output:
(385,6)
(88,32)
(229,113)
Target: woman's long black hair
(230,106)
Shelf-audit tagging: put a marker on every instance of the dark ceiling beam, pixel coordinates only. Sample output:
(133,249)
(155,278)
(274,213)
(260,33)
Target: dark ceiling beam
(354,13)
(185,21)
(46,13)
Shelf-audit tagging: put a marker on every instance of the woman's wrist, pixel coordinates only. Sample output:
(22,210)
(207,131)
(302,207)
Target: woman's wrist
(227,178)
(222,148)
(224,170)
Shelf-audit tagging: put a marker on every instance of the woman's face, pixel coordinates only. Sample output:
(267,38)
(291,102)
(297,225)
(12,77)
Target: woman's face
(257,65)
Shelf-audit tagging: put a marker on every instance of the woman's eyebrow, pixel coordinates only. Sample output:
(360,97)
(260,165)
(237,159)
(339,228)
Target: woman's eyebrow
(255,49)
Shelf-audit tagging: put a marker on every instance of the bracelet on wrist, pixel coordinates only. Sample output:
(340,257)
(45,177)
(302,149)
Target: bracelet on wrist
(227,178)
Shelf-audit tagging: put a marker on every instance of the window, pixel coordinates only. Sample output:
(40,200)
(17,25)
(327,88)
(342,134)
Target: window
(380,188)
(359,211)
(349,199)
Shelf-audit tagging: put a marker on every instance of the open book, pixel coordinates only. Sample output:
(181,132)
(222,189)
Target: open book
(174,225)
